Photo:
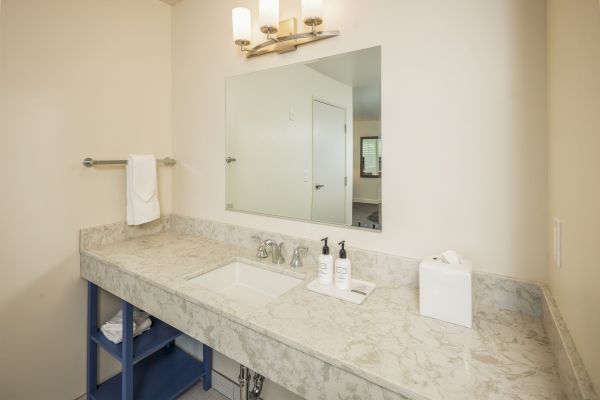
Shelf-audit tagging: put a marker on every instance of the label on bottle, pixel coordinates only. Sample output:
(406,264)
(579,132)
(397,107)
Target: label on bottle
(322,272)
(325,272)
(342,276)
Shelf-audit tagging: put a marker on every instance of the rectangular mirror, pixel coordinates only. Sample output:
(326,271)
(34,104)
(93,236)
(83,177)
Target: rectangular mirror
(303,141)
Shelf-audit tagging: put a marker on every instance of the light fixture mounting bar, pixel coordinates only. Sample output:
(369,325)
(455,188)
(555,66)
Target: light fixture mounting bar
(291,42)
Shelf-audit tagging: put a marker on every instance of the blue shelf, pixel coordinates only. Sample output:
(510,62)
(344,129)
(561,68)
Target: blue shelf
(152,367)
(159,335)
(164,375)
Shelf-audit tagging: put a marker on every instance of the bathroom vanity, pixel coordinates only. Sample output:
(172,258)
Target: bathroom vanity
(320,347)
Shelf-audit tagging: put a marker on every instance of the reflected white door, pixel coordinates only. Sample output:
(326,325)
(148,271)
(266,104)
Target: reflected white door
(329,163)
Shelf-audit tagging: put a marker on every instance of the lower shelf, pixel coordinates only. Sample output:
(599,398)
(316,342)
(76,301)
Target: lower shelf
(164,375)
(148,342)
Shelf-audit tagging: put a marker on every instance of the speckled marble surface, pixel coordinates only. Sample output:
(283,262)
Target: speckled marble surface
(322,348)
(488,289)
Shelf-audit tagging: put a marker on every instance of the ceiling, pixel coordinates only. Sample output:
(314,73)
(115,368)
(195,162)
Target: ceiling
(362,70)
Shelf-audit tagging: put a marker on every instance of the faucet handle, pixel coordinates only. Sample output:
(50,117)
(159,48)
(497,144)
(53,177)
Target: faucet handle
(261,251)
(298,249)
(296,256)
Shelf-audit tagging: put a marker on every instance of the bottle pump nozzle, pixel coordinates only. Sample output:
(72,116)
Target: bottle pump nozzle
(343,250)
(325,247)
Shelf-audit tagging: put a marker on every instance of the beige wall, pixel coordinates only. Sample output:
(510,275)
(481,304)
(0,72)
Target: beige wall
(574,165)
(78,78)
(463,117)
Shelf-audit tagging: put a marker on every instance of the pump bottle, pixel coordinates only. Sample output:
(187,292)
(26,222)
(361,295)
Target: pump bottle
(325,265)
(343,270)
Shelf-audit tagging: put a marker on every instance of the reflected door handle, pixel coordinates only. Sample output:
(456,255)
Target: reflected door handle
(317,186)
(229,160)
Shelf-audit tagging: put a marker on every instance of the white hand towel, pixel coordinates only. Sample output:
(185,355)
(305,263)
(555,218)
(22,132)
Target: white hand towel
(142,327)
(142,192)
(113,328)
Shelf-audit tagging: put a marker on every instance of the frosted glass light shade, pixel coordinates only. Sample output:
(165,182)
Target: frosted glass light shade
(312,9)
(242,27)
(268,13)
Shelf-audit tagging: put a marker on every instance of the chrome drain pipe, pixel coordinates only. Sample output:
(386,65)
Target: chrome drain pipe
(244,380)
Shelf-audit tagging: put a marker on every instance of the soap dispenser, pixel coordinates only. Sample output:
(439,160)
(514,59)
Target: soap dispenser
(325,263)
(343,270)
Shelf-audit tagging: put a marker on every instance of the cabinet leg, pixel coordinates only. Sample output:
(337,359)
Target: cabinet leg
(92,347)
(127,356)
(207,354)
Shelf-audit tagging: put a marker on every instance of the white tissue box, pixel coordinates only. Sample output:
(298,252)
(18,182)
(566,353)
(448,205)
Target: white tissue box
(445,291)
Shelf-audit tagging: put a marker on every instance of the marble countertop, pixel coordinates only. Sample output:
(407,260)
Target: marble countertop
(505,355)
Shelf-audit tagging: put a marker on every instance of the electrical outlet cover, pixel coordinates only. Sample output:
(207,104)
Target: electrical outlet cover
(557,243)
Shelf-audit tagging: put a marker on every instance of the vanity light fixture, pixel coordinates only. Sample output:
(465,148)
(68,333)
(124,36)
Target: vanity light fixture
(287,39)
(268,11)
(241,27)
(312,13)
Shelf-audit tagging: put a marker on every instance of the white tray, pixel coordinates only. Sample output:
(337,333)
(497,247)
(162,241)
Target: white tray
(359,290)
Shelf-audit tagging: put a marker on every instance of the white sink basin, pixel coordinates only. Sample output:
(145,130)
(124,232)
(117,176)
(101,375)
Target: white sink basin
(250,284)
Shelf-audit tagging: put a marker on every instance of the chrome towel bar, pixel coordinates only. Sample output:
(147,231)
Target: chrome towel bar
(90,162)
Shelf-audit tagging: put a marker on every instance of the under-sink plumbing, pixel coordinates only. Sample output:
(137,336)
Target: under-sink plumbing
(245,392)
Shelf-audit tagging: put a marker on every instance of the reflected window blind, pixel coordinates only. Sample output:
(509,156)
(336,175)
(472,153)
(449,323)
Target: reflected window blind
(371,155)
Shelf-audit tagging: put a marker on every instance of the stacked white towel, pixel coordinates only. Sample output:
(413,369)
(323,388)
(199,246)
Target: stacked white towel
(113,328)
(142,189)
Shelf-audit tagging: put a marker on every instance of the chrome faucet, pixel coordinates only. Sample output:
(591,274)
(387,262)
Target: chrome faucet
(297,258)
(261,251)
(276,250)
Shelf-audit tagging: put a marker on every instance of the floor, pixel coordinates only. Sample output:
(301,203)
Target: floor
(197,393)
(366,215)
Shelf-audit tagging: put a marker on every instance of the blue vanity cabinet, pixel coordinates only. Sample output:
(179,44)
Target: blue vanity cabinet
(152,366)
